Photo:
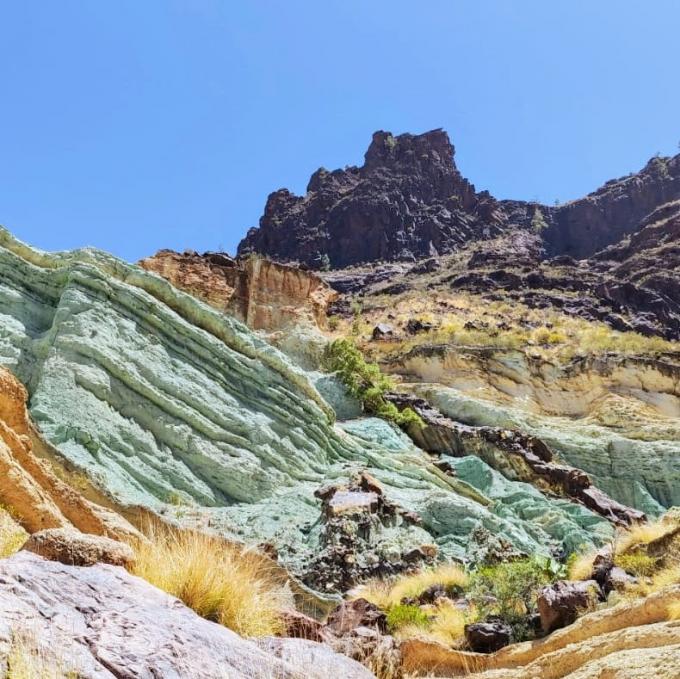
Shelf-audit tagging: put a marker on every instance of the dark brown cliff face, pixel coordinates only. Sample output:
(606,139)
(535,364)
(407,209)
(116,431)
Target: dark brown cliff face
(406,202)
(409,201)
(583,227)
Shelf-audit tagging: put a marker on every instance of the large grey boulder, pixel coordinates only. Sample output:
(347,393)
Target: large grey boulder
(103,623)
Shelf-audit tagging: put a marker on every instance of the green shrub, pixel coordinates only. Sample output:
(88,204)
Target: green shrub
(513,586)
(402,615)
(365,382)
(638,564)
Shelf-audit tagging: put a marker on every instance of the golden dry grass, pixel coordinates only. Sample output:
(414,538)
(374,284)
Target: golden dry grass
(221,582)
(28,659)
(581,566)
(466,319)
(385,594)
(642,534)
(12,535)
(447,626)
(673,611)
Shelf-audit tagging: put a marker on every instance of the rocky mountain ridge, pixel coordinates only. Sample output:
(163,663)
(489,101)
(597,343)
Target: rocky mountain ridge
(409,201)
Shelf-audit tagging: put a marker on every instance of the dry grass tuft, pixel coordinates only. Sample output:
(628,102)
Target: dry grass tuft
(12,535)
(581,566)
(642,534)
(28,659)
(665,578)
(386,594)
(447,626)
(673,610)
(221,582)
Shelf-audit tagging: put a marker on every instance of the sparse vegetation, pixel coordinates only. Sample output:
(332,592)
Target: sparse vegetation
(638,564)
(580,566)
(12,535)
(365,382)
(466,319)
(221,582)
(642,534)
(403,615)
(450,577)
(509,590)
(28,659)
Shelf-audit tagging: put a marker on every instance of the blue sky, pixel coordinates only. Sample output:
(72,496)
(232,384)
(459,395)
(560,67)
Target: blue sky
(134,125)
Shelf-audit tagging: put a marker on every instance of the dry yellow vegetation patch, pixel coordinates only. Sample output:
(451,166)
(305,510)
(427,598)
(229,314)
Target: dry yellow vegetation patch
(220,581)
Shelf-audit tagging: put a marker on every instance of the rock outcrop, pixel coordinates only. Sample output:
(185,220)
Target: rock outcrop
(102,622)
(614,417)
(263,294)
(409,201)
(516,455)
(79,549)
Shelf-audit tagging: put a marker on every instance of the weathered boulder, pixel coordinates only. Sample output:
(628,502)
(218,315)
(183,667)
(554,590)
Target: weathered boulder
(102,623)
(561,603)
(487,637)
(73,548)
(382,331)
(356,613)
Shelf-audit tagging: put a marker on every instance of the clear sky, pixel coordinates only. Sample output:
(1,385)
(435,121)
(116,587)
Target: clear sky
(134,125)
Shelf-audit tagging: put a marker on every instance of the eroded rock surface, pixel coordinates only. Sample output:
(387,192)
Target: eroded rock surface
(163,402)
(38,498)
(102,623)
(263,294)
(622,642)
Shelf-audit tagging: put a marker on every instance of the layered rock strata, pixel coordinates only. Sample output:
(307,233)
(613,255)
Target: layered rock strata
(168,404)
(516,455)
(37,497)
(614,417)
(261,293)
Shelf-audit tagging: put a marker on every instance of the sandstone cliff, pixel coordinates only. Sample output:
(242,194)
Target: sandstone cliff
(261,293)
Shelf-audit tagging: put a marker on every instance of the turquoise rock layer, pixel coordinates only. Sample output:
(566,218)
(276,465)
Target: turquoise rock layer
(166,403)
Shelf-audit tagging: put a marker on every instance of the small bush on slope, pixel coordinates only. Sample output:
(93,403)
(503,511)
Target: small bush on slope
(402,615)
(12,535)
(639,565)
(221,582)
(365,382)
(513,586)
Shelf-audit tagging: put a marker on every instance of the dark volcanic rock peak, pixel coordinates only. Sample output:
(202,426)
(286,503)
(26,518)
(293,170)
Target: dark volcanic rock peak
(409,201)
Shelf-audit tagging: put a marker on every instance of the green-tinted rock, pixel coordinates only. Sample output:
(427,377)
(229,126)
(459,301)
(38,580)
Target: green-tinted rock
(166,403)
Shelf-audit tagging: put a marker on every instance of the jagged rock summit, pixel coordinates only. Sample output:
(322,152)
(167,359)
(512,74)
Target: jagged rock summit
(409,201)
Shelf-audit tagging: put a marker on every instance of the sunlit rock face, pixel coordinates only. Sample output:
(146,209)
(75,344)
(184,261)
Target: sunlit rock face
(166,403)
(263,294)
(614,417)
